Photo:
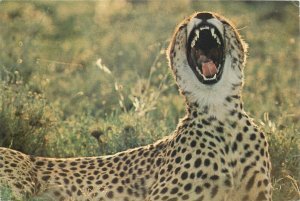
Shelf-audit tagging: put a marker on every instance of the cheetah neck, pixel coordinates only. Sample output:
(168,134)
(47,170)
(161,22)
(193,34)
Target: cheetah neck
(230,108)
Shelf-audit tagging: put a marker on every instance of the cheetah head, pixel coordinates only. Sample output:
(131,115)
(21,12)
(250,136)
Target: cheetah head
(207,56)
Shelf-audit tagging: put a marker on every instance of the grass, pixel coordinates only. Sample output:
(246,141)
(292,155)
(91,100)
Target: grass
(78,77)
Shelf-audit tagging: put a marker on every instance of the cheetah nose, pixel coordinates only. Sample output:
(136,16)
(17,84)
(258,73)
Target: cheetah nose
(204,16)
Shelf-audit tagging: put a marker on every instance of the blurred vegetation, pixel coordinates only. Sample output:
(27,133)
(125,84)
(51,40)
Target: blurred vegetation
(91,78)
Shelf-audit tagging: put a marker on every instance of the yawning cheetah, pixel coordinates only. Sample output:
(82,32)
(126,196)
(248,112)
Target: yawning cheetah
(216,152)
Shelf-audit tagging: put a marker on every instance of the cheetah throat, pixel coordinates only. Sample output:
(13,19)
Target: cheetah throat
(205,53)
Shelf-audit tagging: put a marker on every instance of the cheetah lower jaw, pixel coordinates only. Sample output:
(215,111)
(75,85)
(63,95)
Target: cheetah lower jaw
(206,78)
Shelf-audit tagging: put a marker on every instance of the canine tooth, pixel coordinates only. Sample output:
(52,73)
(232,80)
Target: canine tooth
(195,38)
(194,42)
(216,37)
(213,32)
(197,33)
(198,70)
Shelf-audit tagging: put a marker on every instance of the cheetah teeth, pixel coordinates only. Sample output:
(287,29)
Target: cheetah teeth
(212,31)
(204,28)
(195,39)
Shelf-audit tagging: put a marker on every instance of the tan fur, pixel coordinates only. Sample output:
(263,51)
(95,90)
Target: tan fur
(216,152)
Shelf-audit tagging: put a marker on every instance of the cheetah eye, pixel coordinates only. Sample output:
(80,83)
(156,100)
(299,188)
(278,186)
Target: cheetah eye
(205,53)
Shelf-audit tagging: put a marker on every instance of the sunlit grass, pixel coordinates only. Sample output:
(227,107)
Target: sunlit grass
(76,107)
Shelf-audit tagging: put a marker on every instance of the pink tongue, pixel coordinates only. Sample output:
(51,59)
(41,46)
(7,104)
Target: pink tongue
(209,69)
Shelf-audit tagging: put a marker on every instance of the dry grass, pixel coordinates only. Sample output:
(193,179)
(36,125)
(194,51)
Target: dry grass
(53,47)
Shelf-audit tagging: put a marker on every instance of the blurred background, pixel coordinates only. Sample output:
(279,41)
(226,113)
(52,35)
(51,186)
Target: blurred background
(91,78)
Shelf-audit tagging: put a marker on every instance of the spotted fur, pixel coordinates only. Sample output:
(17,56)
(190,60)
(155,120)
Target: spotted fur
(216,152)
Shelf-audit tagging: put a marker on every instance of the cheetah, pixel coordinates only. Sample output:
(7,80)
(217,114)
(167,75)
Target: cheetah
(216,152)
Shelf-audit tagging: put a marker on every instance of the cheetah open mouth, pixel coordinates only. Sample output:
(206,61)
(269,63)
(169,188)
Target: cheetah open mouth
(205,53)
